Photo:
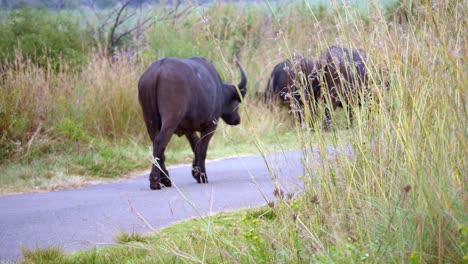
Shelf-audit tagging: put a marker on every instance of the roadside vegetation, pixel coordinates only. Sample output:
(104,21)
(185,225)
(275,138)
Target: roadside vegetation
(398,196)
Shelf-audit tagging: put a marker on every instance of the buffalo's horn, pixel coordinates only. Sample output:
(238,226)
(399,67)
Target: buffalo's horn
(243,82)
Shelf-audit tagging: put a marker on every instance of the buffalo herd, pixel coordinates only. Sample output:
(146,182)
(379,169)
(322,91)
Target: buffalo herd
(187,97)
(338,78)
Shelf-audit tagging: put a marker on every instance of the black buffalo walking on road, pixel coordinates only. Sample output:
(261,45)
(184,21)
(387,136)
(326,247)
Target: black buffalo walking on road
(186,96)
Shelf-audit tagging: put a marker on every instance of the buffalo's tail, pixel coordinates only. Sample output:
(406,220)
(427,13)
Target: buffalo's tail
(147,96)
(154,103)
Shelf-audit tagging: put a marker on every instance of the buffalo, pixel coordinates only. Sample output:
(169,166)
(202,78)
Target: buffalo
(344,78)
(294,82)
(186,97)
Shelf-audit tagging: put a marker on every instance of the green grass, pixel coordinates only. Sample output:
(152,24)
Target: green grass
(48,255)
(72,167)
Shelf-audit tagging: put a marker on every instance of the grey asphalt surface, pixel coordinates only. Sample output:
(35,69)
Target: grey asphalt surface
(90,217)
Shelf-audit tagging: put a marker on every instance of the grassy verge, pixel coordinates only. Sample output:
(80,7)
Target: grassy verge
(198,240)
(72,168)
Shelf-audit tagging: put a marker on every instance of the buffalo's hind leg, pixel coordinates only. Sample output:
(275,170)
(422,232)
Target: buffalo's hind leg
(158,161)
(159,176)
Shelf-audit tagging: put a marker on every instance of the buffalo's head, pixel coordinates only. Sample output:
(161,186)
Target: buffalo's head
(232,97)
(303,82)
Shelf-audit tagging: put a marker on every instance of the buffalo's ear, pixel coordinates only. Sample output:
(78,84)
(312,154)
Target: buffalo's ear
(243,82)
(243,91)
(239,93)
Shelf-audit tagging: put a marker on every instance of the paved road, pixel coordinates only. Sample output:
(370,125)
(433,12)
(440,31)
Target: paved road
(84,218)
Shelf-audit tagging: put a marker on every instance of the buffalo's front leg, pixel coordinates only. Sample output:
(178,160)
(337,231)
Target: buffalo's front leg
(194,140)
(159,176)
(200,146)
(327,118)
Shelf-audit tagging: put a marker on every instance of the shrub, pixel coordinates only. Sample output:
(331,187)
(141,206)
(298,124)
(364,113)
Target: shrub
(45,37)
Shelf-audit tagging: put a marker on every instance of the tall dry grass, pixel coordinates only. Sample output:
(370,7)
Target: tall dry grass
(69,105)
(395,190)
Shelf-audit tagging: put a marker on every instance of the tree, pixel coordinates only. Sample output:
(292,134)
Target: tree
(117,27)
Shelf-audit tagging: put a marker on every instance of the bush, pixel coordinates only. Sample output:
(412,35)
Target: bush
(45,37)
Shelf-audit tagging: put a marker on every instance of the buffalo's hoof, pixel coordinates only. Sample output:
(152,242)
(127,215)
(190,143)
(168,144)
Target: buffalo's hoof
(204,178)
(155,185)
(160,183)
(201,178)
(199,175)
(166,182)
